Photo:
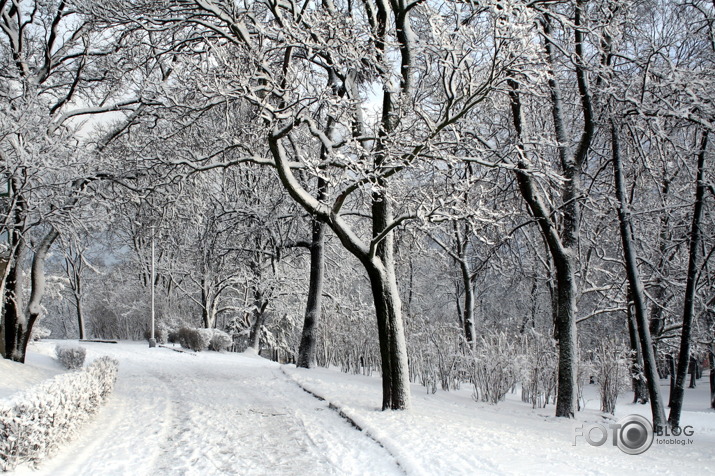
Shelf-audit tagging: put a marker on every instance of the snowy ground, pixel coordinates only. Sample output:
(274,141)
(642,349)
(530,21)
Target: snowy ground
(211,414)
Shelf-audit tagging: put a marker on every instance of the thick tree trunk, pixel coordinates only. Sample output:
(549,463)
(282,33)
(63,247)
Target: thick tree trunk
(636,287)
(566,328)
(14,318)
(208,305)
(309,336)
(388,308)
(676,405)
(393,348)
(468,311)
(19,321)
(259,318)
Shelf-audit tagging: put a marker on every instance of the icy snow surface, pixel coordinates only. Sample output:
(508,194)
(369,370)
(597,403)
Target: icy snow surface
(211,414)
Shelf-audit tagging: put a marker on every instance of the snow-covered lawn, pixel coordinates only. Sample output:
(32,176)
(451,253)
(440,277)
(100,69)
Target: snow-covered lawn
(211,413)
(450,433)
(16,377)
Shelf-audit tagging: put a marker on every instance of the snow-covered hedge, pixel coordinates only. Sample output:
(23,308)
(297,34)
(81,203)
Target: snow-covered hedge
(202,339)
(34,423)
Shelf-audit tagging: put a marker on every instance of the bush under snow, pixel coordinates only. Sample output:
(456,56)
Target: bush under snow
(72,357)
(202,339)
(220,340)
(34,423)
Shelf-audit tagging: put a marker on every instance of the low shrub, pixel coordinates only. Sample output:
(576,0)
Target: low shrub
(494,370)
(537,364)
(72,357)
(611,363)
(39,332)
(220,341)
(194,339)
(34,423)
(202,339)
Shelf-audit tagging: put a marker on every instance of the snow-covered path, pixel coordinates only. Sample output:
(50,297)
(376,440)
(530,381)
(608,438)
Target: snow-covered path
(203,414)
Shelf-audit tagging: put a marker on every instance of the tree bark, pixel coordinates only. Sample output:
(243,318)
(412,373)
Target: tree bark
(313,310)
(78,301)
(393,348)
(636,286)
(259,318)
(468,311)
(712,376)
(18,320)
(14,318)
(640,390)
(689,301)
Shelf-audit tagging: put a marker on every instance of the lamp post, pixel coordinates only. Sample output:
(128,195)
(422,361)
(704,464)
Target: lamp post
(152,339)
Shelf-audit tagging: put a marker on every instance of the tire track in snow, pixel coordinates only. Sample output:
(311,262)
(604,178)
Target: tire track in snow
(339,411)
(267,426)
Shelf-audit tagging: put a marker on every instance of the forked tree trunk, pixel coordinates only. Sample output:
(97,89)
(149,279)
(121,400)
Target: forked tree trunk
(20,320)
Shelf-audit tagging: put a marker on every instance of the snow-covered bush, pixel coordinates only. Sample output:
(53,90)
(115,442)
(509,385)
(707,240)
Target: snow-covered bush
(39,332)
(611,363)
(34,423)
(72,357)
(220,340)
(195,339)
(437,355)
(495,369)
(538,370)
